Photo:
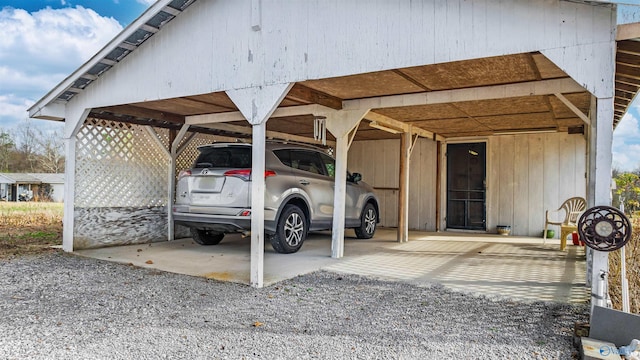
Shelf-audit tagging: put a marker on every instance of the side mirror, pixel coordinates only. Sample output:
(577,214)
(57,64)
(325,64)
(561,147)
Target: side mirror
(355,177)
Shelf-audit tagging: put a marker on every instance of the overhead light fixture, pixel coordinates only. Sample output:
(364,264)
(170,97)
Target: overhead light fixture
(374,124)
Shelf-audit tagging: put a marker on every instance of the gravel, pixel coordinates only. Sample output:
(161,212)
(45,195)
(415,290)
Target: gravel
(61,306)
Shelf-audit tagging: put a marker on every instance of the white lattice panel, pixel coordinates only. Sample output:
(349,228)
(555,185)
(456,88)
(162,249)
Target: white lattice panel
(120,165)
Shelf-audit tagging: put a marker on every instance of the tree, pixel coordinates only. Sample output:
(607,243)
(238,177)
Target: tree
(51,151)
(26,146)
(628,190)
(7,145)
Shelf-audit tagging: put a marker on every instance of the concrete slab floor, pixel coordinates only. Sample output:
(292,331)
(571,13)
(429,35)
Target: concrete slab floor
(521,268)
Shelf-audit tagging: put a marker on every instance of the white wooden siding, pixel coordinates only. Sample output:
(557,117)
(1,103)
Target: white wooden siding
(378,162)
(526,174)
(213,47)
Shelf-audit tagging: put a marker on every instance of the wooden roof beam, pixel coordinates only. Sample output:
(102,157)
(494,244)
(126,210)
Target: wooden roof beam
(307,95)
(627,31)
(143,113)
(385,120)
(237,115)
(247,130)
(543,87)
(573,108)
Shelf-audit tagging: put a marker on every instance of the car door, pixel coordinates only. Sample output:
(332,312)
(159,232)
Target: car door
(314,180)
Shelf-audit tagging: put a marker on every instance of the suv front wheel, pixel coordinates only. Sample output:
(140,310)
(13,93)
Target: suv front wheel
(291,230)
(368,220)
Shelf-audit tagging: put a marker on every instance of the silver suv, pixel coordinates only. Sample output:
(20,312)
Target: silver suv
(214,197)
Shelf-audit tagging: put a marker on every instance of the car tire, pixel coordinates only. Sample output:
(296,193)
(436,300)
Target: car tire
(206,237)
(291,230)
(368,222)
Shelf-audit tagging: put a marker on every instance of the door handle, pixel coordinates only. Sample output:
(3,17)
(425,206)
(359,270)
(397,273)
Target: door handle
(304,182)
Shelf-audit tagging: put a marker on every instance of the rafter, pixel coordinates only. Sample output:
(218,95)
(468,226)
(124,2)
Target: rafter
(307,95)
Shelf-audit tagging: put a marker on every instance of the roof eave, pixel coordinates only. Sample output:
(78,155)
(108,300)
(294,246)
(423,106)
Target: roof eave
(42,109)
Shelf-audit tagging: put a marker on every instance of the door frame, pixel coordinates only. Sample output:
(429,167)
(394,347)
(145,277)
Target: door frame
(443,181)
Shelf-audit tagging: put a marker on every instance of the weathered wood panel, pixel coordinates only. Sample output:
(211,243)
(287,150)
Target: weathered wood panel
(111,226)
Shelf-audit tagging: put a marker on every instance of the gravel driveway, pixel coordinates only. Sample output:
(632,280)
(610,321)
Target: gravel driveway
(61,306)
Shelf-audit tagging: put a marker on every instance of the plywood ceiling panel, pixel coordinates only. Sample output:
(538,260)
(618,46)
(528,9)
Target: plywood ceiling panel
(470,73)
(364,85)
(422,112)
(518,105)
(451,125)
(546,67)
(217,98)
(518,121)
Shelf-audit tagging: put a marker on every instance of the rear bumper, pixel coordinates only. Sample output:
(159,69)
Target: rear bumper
(218,223)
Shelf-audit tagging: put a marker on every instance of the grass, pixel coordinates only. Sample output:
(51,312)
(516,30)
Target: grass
(632,250)
(29,228)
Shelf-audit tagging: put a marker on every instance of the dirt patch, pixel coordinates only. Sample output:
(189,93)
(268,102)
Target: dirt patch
(29,228)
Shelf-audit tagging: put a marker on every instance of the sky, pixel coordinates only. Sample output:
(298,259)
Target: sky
(44,41)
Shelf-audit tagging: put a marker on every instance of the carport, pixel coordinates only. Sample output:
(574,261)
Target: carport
(538,83)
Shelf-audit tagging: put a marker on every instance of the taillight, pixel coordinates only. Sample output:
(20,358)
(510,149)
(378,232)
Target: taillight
(245,174)
(184,173)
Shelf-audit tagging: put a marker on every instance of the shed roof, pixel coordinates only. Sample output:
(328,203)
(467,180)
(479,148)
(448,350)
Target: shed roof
(31,178)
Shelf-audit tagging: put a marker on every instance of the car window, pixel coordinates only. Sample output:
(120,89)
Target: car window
(307,161)
(224,157)
(329,165)
(284,156)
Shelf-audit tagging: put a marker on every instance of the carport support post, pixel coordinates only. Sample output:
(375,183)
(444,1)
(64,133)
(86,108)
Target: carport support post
(173,154)
(73,123)
(600,140)
(403,196)
(256,105)
(340,124)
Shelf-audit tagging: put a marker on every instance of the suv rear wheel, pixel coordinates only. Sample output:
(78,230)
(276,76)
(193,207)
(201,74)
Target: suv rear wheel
(291,230)
(368,221)
(206,237)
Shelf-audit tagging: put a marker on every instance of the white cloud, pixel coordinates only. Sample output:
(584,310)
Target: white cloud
(39,49)
(626,144)
(146,2)
(13,107)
